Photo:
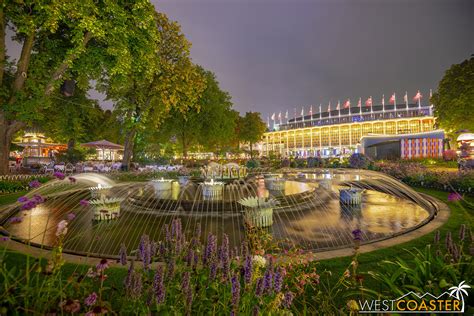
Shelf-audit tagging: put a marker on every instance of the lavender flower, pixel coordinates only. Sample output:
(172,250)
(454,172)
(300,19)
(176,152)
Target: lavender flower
(357,233)
(235,291)
(186,288)
(259,287)
(59,175)
(128,278)
(84,203)
(224,257)
(248,269)
(38,199)
(288,300)
(137,285)
(212,270)
(91,299)
(29,205)
(158,286)
(71,216)
(210,252)
(267,281)
(22,199)
(123,254)
(4,238)
(462,232)
(34,184)
(189,257)
(171,268)
(144,251)
(278,281)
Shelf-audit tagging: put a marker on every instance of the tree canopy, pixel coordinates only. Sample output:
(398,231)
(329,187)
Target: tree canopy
(454,100)
(78,39)
(251,128)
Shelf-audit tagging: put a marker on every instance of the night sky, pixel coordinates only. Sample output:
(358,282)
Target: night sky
(275,55)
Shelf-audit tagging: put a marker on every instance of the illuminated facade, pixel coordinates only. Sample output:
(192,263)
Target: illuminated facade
(339,132)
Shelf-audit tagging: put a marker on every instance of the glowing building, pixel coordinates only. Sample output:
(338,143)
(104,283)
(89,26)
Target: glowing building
(338,132)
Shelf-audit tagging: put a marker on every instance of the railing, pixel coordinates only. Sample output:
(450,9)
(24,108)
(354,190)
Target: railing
(367,116)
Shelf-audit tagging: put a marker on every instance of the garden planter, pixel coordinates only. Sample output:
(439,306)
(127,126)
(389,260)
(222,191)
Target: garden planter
(350,196)
(259,217)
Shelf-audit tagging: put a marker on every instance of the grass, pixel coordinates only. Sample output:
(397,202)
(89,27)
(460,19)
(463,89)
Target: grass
(10,197)
(461,213)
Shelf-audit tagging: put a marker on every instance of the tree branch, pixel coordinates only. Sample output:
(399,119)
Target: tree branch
(65,65)
(23,63)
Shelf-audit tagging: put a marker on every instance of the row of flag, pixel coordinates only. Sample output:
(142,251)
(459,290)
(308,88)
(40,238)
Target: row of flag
(347,105)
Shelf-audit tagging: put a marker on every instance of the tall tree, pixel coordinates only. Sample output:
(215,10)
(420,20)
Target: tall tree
(161,80)
(61,39)
(210,125)
(74,119)
(251,128)
(454,100)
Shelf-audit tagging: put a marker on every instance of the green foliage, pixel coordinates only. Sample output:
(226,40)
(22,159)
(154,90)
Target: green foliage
(433,269)
(13,184)
(250,129)
(253,163)
(210,125)
(455,97)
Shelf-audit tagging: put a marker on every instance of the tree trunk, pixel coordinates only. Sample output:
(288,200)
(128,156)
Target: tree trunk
(4,150)
(71,144)
(251,150)
(7,131)
(128,148)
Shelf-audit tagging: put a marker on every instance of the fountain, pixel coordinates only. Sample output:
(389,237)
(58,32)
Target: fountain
(99,191)
(308,213)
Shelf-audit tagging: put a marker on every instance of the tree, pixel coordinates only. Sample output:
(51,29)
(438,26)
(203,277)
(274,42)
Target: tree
(210,125)
(454,100)
(74,119)
(162,79)
(61,40)
(251,129)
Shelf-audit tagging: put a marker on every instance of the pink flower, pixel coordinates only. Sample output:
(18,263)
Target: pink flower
(62,228)
(71,216)
(91,299)
(454,196)
(84,203)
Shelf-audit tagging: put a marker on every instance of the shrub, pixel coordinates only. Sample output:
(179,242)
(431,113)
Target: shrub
(300,163)
(358,161)
(11,184)
(253,163)
(285,163)
(450,155)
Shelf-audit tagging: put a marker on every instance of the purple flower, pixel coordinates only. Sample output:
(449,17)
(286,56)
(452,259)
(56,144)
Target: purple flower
(454,196)
(235,291)
(255,311)
(91,299)
(259,287)
(128,278)
(31,204)
(267,280)
(212,270)
(16,219)
(22,199)
(71,216)
(224,257)
(59,175)
(102,265)
(4,238)
(171,268)
(449,240)
(357,233)
(84,203)
(72,179)
(210,252)
(144,251)
(288,300)
(189,257)
(34,184)
(123,254)
(38,199)
(278,281)
(248,269)
(158,286)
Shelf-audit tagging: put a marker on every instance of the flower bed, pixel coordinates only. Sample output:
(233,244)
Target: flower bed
(16,183)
